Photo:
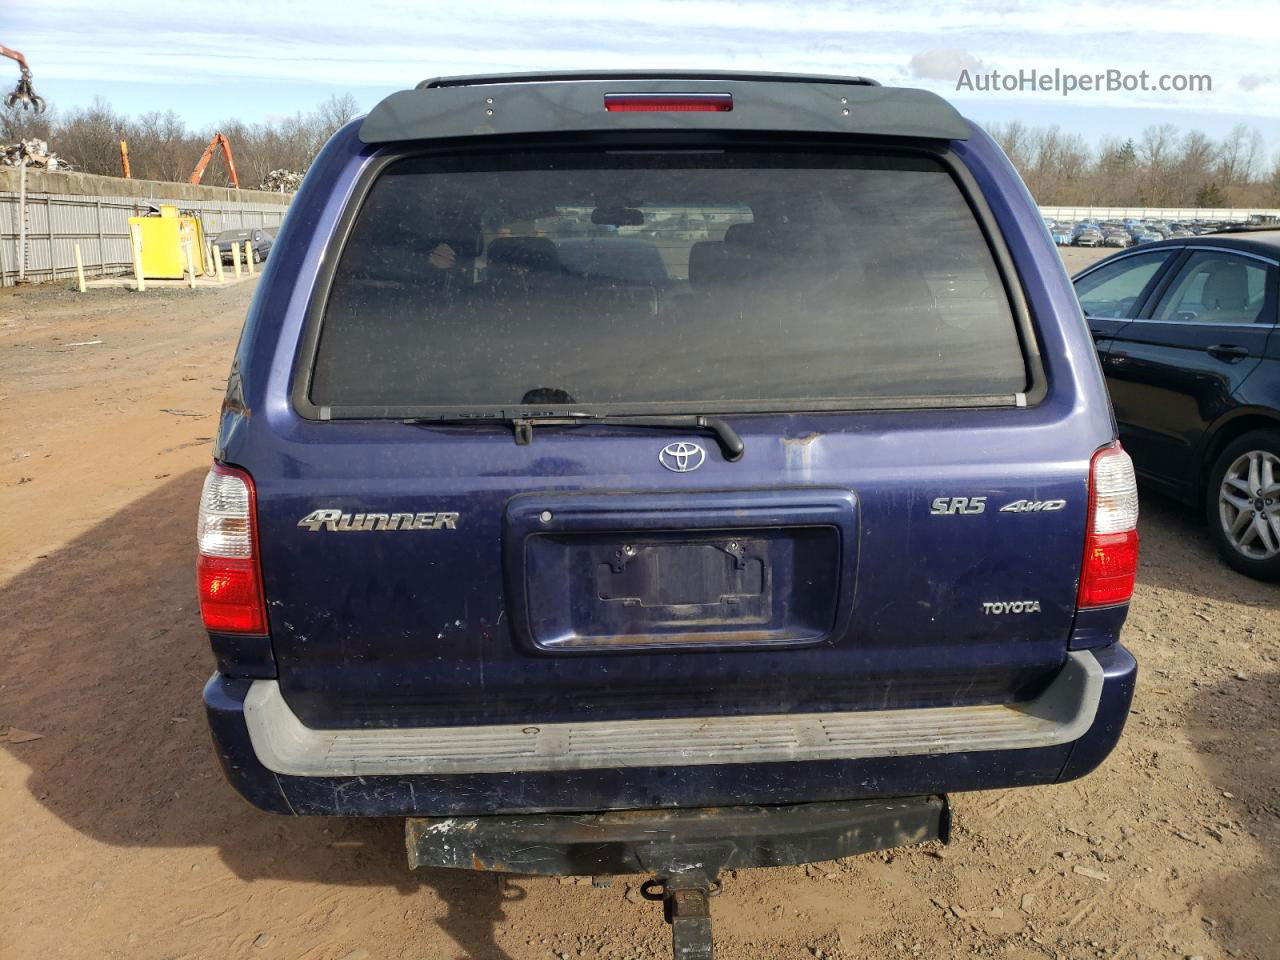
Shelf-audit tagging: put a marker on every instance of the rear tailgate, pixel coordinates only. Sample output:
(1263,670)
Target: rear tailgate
(838,587)
(904,530)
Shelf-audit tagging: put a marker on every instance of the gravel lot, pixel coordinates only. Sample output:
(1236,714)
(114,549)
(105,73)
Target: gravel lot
(121,839)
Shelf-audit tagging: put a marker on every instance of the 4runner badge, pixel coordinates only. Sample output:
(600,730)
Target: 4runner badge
(339,522)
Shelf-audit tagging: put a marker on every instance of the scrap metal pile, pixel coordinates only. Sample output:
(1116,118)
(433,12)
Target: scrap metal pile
(31,153)
(282,181)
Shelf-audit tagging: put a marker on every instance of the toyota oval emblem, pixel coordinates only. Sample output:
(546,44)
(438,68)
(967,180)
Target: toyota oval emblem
(682,457)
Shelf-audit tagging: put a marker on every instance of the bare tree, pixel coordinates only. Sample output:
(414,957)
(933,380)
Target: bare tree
(17,123)
(1058,164)
(90,138)
(1191,172)
(333,114)
(1156,143)
(1012,138)
(162,142)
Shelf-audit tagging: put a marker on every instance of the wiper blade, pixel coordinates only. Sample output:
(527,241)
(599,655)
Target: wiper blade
(731,444)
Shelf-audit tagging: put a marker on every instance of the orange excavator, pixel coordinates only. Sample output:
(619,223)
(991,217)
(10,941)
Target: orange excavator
(218,141)
(22,93)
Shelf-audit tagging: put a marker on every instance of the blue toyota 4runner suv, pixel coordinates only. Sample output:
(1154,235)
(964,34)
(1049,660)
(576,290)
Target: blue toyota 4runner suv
(663,473)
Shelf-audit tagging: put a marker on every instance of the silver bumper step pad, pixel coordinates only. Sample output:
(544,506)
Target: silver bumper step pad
(1061,714)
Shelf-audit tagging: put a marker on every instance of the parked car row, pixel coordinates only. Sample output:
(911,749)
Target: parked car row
(1126,233)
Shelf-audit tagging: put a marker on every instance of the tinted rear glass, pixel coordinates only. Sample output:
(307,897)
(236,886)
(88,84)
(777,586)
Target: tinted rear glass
(618,280)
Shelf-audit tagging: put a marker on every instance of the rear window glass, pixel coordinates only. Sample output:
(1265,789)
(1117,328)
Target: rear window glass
(694,280)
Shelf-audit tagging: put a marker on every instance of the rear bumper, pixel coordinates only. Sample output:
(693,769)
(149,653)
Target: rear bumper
(280,765)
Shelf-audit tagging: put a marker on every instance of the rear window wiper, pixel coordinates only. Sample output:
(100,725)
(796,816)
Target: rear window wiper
(731,444)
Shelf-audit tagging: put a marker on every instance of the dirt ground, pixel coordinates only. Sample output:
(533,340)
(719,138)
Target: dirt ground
(121,839)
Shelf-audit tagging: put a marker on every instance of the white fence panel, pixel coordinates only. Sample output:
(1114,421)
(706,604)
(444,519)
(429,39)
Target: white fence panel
(1173,214)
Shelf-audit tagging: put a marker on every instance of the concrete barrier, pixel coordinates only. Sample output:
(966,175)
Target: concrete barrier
(87,184)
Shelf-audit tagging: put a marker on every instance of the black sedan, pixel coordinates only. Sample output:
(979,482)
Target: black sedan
(1186,330)
(260,240)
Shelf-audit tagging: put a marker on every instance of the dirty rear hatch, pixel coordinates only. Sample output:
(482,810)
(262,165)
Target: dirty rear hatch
(904,528)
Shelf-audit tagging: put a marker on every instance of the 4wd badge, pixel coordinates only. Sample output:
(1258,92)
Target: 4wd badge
(1033,506)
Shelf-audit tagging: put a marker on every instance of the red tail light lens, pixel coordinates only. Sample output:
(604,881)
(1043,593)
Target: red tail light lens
(668,102)
(1110,566)
(1111,544)
(228,574)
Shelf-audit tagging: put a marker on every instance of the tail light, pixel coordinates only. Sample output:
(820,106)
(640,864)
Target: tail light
(228,575)
(668,102)
(1111,544)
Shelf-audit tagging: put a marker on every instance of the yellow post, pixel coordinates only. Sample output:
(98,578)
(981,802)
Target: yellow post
(191,266)
(79,269)
(135,237)
(235,258)
(248,256)
(217,263)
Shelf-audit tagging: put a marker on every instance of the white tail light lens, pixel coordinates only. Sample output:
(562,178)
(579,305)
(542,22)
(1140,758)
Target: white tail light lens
(222,526)
(228,575)
(1114,492)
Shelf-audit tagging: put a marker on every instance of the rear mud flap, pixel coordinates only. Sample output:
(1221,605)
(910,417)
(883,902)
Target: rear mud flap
(683,851)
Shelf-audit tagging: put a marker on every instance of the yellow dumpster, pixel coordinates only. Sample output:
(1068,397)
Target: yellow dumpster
(163,237)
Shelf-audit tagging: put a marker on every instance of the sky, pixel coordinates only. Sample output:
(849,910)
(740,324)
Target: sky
(260,60)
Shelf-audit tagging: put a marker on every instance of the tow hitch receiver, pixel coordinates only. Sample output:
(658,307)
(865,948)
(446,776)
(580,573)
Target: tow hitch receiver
(682,850)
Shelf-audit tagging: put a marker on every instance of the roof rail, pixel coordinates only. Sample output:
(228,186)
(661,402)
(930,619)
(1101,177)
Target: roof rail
(1243,228)
(480,79)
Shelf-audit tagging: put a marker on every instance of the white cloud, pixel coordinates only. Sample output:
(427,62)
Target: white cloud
(1252,81)
(943,63)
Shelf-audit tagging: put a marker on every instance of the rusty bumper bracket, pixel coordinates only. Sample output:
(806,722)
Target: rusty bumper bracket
(683,850)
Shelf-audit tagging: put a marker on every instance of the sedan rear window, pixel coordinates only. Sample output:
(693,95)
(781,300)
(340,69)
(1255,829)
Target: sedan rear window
(690,280)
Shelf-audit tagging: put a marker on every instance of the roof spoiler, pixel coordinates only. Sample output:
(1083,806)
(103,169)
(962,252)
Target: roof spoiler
(451,107)
(573,76)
